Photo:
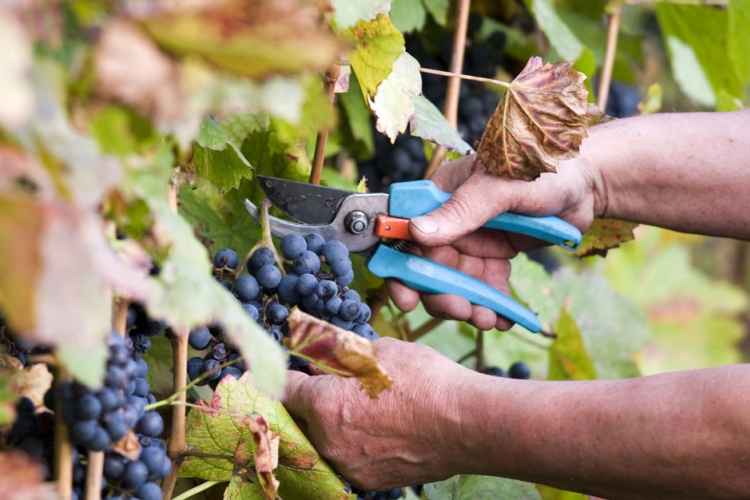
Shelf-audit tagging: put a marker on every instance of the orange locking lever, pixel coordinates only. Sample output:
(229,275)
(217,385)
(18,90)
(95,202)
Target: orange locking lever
(392,227)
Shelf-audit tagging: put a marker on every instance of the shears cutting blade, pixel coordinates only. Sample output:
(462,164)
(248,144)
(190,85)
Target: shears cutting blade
(364,222)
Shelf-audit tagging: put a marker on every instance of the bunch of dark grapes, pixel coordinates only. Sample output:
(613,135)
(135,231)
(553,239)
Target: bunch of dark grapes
(378,495)
(317,278)
(622,100)
(518,370)
(405,159)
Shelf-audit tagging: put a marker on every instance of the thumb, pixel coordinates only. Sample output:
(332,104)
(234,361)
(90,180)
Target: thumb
(476,201)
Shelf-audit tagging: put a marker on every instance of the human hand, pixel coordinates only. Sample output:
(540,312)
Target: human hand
(452,234)
(410,435)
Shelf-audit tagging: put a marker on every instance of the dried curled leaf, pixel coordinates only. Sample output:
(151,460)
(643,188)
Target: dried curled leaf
(541,120)
(338,351)
(32,381)
(258,441)
(605,234)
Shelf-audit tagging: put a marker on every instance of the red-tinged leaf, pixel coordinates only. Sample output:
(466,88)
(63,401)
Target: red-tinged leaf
(541,119)
(335,350)
(23,478)
(262,444)
(605,234)
(239,488)
(217,430)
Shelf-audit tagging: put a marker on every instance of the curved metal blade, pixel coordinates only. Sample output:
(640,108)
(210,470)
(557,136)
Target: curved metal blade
(308,203)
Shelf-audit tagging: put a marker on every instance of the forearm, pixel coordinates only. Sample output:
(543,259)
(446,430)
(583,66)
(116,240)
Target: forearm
(685,171)
(683,435)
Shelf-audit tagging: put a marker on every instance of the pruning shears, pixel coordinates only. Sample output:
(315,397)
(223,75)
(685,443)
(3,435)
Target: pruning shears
(376,225)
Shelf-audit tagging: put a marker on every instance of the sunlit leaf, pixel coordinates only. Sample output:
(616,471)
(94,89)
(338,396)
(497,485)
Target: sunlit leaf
(335,350)
(218,159)
(605,234)
(429,123)
(216,429)
(540,121)
(394,103)
(408,15)
(568,358)
(347,13)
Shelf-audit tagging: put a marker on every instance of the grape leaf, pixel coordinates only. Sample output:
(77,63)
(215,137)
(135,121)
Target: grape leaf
(429,123)
(347,13)
(255,38)
(568,358)
(739,37)
(160,374)
(240,488)
(408,15)
(335,350)
(221,165)
(540,120)
(258,441)
(8,413)
(394,103)
(17,104)
(31,381)
(438,9)
(23,478)
(484,487)
(558,32)
(377,44)
(605,234)
(216,429)
(358,122)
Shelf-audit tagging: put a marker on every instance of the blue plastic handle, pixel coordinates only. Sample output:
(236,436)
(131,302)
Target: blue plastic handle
(425,275)
(412,199)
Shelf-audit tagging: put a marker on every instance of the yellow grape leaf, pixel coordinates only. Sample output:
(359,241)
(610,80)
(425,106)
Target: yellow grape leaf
(541,120)
(335,350)
(603,235)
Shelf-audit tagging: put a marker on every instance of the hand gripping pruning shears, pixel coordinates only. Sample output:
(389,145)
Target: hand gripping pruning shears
(373,224)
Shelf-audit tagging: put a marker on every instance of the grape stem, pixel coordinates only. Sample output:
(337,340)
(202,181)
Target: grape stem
(194,491)
(121,316)
(426,327)
(63,455)
(465,77)
(177,440)
(320,142)
(94,472)
(613,28)
(265,241)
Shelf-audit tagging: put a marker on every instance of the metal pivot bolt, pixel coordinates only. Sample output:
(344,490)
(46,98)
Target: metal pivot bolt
(356,222)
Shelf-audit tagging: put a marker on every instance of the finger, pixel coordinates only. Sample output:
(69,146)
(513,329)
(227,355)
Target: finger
(404,297)
(475,202)
(297,395)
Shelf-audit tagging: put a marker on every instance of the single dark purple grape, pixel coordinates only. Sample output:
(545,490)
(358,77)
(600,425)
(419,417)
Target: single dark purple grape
(141,368)
(268,277)
(310,302)
(341,322)
(81,431)
(306,284)
(341,267)
(276,313)
(199,338)
(149,491)
(246,287)
(326,289)
(495,371)
(346,279)
(194,367)
(333,250)
(306,262)
(220,352)
(100,441)
(315,243)
(141,387)
(129,389)
(114,466)
(292,245)
(226,257)
(132,368)
(150,399)
(251,310)
(298,364)
(208,365)
(349,310)
(276,334)
(333,305)
(519,370)
(366,331)
(152,457)
(364,313)
(231,370)
(166,466)
(130,415)
(130,319)
(138,403)
(119,355)
(87,407)
(135,474)
(115,425)
(287,289)
(261,257)
(151,424)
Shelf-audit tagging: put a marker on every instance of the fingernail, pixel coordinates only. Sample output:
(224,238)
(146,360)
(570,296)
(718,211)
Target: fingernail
(425,225)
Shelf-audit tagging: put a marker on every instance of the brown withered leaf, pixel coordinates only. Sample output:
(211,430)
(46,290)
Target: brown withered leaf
(335,350)
(258,441)
(31,381)
(128,446)
(541,120)
(603,235)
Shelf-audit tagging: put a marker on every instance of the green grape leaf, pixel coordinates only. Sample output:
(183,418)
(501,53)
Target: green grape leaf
(438,9)
(560,36)
(533,285)
(377,44)
(240,488)
(605,234)
(217,430)
(568,359)
(697,40)
(739,37)
(550,493)
(357,123)
(254,39)
(347,13)
(160,376)
(394,102)
(484,487)
(408,15)
(221,165)
(429,123)
(120,131)
(238,126)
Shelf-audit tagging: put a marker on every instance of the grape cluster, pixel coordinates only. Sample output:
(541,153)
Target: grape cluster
(518,370)
(317,277)
(378,495)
